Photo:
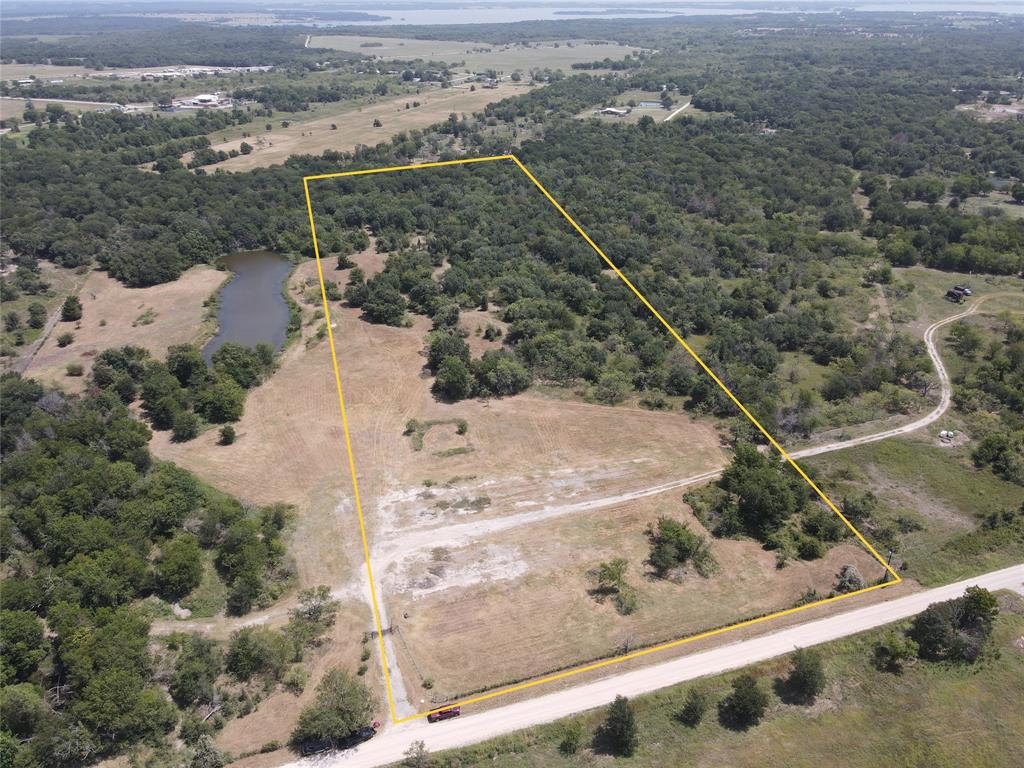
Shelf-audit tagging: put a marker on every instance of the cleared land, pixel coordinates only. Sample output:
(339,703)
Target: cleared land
(478,57)
(355,125)
(113,315)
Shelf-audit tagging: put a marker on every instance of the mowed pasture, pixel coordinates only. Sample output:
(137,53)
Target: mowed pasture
(353,126)
(479,57)
(113,315)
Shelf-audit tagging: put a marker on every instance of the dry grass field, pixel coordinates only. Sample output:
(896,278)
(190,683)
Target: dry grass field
(355,125)
(113,315)
(13,108)
(478,57)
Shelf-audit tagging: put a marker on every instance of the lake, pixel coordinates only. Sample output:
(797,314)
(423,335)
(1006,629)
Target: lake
(252,306)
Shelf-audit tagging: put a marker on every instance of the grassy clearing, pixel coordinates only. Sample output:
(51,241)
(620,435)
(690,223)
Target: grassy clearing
(931,503)
(478,57)
(949,715)
(998,202)
(209,598)
(62,282)
(417,430)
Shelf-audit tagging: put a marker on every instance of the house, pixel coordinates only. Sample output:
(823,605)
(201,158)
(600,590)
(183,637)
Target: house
(651,104)
(614,111)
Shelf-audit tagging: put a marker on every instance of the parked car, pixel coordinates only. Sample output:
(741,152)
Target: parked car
(317,746)
(963,289)
(363,734)
(444,714)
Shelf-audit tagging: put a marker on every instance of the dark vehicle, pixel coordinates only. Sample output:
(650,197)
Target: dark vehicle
(444,714)
(955,295)
(363,734)
(316,746)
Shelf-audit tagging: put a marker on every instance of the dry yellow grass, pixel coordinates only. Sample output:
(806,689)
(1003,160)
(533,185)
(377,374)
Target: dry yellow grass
(355,125)
(11,108)
(113,315)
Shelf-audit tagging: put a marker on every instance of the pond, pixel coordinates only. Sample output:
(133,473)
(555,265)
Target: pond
(252,303)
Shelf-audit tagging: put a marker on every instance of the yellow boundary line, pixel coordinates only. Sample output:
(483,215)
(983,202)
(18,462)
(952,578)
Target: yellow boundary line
(896,579)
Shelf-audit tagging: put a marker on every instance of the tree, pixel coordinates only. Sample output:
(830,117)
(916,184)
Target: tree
(313,617)
(383,304)
(23,643)
(12,321)
(21,708)
(195,672)
(619,731)
(71,310)
(694,707)
(673,545)
(1017,192)
(223,401)
(454,380)
(180,568)
(613,386)
(966,338)
(955,629)
(245,148)
(746,705)
(227,435)
(343,705)
(807,678)
(186,427)
(258,651)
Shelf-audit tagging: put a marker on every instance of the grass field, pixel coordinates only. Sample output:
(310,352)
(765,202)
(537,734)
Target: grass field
(478,57)
(14,108)
(113,315)
(948,715)
(313,134)
(994,201)
(941,496)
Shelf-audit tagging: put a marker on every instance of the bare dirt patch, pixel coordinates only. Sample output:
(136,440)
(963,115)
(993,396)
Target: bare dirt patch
(113,315)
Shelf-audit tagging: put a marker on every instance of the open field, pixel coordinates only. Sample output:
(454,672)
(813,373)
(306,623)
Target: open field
(113,315)
(12,108)
(478,614)
(993,201)
(931,503)
(949,715)
(48,71)
(355,125)
(478,57)
(631,100)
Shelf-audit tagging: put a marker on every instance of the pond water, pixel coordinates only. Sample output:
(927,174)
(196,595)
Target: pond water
(252,307)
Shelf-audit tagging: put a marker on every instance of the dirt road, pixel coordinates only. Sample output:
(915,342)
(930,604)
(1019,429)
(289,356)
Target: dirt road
(390,745)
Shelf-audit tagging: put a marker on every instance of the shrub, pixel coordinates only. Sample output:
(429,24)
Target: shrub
(694,707)
(619,731)
(893,651)
(572,738)
(71,310)
(807,678)
(746,705)
(227,435)
(65,339)
(75,369)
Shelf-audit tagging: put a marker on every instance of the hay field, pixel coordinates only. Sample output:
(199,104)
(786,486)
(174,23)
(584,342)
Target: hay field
(355,125)
(560,54)
(113,315)
(12,108)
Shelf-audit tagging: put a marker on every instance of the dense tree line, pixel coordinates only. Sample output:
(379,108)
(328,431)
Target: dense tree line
(91,523)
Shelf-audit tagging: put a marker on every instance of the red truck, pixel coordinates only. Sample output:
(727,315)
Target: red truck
(444,714)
